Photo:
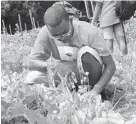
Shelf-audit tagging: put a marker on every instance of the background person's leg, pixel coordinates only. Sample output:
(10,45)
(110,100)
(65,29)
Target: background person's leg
(92,65)
(108,35)
(122,44)
(120,36)
(110,44)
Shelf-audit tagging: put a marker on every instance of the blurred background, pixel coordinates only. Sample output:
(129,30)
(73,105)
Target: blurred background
(25,11)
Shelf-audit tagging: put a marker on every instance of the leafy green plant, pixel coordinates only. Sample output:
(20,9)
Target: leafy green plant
(37,104)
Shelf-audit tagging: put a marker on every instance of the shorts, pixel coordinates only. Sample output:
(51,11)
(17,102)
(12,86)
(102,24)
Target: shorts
(112,31)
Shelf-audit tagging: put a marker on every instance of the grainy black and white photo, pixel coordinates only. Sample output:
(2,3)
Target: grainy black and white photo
(68,62)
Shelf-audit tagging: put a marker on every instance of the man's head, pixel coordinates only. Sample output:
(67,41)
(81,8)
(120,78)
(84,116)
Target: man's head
(54,15)
(57,20)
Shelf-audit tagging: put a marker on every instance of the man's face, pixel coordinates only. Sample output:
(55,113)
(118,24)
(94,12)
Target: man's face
(63,31)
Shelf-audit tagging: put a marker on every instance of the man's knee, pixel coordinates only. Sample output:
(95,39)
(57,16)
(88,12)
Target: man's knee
(36,77)
(89,60)
(92,63)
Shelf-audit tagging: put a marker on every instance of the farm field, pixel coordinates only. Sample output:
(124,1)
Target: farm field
(23,104)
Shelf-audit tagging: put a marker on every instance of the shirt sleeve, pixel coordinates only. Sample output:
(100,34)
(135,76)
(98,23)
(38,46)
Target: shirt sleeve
(40,50)
(99,44)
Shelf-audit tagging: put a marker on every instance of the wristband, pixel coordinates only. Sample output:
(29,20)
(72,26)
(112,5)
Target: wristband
(97,88)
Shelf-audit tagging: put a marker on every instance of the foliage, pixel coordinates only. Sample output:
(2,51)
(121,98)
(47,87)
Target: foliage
(41,105)
(37,104)
(11,9)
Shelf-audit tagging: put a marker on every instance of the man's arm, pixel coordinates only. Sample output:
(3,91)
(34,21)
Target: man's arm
(107,74)
(40,52)
(99,44)
(38,65)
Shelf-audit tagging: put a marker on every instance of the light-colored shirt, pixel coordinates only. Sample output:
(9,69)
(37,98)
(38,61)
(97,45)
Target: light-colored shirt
(108,15)
(84,34)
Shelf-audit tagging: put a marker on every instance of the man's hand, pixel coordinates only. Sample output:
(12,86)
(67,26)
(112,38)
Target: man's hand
(93,93)
(96,90)
(107,74)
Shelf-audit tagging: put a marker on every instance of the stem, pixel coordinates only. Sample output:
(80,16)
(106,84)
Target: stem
(92,6)
(87,9)
(118,101)
(30,13)
(10,29)
(114,94)
(34,23)
(20,25)
(4,28)
(25,27)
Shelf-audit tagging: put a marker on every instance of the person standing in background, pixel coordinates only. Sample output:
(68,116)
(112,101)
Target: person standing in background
(110,24)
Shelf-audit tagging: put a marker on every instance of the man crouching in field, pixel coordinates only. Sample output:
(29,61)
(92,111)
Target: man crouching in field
(77,44)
